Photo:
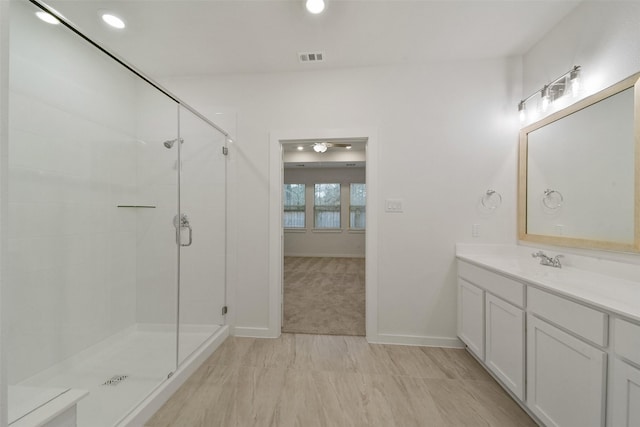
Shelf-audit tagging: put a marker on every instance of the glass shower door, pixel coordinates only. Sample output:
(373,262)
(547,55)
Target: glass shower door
(89,290)
(202,232)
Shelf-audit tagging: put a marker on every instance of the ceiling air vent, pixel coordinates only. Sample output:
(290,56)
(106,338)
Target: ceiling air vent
(309,57)
(350,165)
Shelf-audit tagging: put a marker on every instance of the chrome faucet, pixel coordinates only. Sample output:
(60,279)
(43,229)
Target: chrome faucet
(546,260)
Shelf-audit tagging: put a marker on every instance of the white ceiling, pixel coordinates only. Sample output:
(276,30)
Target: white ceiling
(167,38)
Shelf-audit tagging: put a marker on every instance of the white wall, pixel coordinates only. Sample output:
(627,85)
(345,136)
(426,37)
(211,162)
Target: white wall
(447,132)
(337,243)
(602,37)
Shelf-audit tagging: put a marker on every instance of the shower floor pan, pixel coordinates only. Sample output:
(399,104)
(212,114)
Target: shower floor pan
(121,372)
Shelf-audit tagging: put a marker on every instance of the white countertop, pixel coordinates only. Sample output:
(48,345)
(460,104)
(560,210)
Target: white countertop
(618,295)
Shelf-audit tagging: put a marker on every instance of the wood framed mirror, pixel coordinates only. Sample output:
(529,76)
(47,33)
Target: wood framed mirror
(579,173)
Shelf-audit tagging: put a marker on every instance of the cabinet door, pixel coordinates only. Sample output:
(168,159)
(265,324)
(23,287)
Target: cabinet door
(626,395)
(504,345)
(471,316)
(565,377)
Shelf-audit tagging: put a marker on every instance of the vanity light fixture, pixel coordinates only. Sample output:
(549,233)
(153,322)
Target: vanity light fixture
(569,82)
(320,147)
(315,6)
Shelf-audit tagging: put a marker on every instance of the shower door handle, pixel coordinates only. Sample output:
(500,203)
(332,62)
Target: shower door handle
(180,223)
(190,237)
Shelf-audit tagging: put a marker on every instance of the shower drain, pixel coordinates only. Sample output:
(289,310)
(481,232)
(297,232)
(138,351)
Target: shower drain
(115,380)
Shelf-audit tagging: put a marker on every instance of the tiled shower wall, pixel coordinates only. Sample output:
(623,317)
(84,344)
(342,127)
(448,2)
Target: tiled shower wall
(75,142)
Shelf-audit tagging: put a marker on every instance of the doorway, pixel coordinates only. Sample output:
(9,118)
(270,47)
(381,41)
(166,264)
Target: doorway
(276,233)
(324,224)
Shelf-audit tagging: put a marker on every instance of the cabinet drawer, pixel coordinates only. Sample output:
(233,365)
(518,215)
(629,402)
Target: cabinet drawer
(584,321)
(627,340)
(501,286)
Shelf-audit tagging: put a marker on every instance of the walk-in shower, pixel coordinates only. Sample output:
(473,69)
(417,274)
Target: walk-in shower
(101,292)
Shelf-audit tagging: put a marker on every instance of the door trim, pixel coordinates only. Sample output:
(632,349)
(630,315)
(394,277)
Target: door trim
(276,250)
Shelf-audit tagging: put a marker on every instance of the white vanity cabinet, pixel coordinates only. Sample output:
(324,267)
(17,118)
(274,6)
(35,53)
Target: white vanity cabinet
(504,344)
(471,317)
(491,323)
(625,400)
(625,382)
(565,377)
(566,369)
(564,342)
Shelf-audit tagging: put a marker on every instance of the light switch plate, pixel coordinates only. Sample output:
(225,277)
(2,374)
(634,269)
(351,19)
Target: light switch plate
(393,205)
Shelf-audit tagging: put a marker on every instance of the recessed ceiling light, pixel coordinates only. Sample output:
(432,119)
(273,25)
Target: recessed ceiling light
(112,20)
(315,6)
(300,148)
(47,17)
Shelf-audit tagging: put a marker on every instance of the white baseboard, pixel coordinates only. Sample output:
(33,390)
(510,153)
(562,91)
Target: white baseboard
(246,332)
(415,340)
(327,255)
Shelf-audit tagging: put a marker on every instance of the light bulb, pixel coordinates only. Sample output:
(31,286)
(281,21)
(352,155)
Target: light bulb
(300,148)
(545,98)
(319,147)
(574,78)
(47,17)
(522,111)
(315,6)
(113,21)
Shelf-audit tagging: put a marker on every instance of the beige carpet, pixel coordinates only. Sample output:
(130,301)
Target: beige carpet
(324,296)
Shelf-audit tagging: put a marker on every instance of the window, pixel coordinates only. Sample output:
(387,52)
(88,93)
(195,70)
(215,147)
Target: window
(326,207)
(294,205)
(357,206)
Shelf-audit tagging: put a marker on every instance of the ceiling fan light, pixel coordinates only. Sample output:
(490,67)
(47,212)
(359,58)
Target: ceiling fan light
(319,147)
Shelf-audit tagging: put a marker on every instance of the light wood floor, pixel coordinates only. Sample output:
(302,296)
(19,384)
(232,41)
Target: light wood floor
(324,295)
(319,380)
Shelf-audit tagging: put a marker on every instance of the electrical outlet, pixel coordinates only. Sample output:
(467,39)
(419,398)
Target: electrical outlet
(475,230)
